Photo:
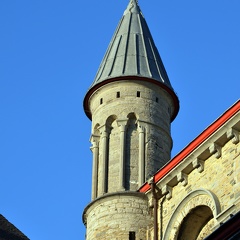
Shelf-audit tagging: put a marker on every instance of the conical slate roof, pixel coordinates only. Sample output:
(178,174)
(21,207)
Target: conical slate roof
(132,51)
(132,54)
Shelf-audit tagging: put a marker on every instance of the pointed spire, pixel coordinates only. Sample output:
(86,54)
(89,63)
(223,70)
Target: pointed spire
(132,7)
(133,54)
(132,51)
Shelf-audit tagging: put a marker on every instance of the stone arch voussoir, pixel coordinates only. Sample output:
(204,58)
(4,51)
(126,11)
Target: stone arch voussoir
(194,201)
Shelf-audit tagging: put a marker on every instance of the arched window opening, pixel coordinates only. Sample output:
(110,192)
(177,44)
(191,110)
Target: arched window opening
(131,163)
(96,130)
(194,222)
(112,154)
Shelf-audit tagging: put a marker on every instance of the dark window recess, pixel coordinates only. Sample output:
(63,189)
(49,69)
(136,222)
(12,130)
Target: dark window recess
(101,101)
(157,99)
(132,236)
(118,94)
(138,94)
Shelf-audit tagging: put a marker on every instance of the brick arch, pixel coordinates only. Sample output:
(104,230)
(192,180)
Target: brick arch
(200,205)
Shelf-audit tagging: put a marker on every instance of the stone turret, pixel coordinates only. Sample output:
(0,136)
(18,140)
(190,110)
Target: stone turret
(131,104)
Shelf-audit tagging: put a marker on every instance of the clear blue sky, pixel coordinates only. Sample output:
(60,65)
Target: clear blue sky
(49,54)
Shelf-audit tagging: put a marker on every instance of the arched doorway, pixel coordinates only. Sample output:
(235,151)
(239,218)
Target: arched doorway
(194,222)
(193,217)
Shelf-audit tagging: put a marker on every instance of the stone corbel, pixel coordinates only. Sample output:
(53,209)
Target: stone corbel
(215,149)
(167,190)
(199,164)
(182,178)
(234,135)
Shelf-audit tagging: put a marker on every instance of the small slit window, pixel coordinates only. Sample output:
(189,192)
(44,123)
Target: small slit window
(132,236)
(118,95)
(101,101)
(138,94)
(156,99)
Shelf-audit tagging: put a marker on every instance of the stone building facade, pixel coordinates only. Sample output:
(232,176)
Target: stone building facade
(138,192)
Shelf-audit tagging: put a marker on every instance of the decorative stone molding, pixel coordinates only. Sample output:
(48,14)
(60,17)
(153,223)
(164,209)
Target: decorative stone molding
(234,135)
(216,149)
(167,190)
(200,197)
(225,215)
(141,170)
(94,139)
(104,130)
(141,127)
(183,178)
(199,164)
(122,123)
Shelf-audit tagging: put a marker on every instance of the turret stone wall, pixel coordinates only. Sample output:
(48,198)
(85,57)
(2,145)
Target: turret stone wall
(131,131)
(130,141)
(118,216)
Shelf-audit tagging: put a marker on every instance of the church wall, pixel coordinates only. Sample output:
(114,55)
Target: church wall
(207,177)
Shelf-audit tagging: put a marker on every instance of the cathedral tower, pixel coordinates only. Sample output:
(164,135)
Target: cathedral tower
(131,104)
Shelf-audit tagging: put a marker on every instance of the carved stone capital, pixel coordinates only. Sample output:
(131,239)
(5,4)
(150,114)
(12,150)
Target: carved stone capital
(234,135)
(94,139)
(104,130)
(141,127)
(216,149)
(122,123)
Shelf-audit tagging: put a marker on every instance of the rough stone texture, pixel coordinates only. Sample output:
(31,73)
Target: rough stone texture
(113,216)
(220,177)
(152,109)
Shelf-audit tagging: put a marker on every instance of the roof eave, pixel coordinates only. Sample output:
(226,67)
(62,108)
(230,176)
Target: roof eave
(138,78)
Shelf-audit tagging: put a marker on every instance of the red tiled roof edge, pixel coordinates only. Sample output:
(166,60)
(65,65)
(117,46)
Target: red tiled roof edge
(193,145)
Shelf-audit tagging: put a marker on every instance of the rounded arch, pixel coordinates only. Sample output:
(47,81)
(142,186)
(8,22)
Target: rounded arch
(96,129)
(110,120)
(195,220)
(131,153)
(132,115)
(199,202)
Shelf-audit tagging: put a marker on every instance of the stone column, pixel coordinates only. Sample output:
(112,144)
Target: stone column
(122,126)
(105,149)
(141,170)
(95,150)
